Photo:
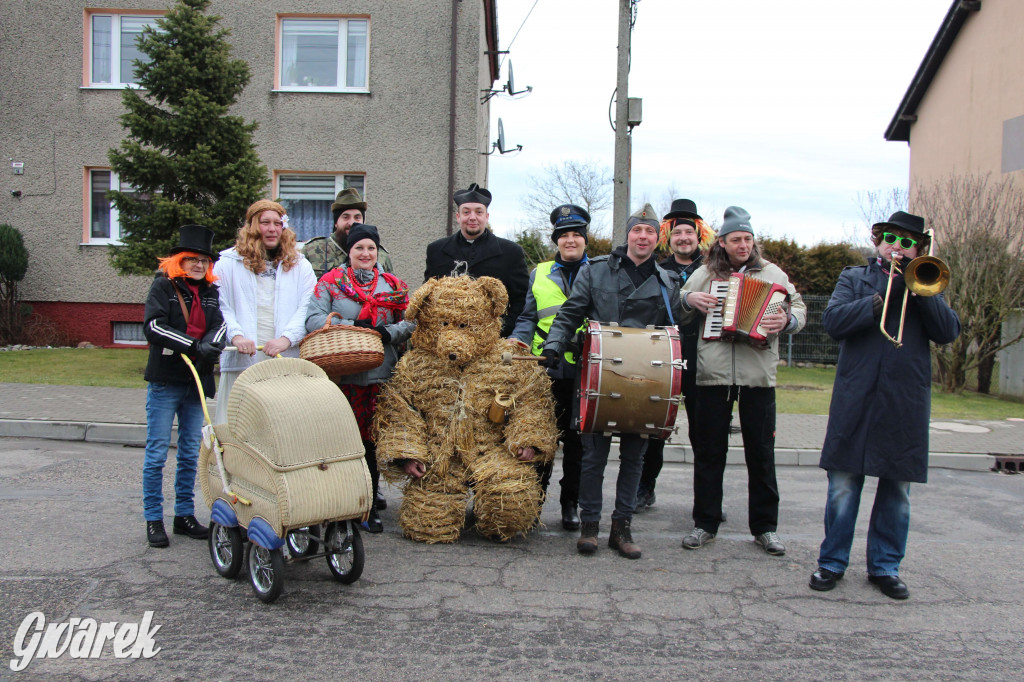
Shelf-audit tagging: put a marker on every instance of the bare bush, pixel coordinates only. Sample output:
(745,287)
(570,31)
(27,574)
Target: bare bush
(977,223)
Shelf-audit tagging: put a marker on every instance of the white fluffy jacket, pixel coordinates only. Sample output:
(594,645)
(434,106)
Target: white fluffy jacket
(237,285)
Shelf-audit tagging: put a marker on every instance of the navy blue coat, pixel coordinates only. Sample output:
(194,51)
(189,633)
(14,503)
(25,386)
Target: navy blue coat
(881,400)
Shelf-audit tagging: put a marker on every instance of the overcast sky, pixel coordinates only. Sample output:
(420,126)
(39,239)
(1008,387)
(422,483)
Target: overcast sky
(778,107)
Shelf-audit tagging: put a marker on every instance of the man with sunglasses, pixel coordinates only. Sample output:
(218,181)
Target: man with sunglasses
(878,420)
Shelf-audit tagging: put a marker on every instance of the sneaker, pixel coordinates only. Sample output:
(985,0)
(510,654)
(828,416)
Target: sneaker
(771,543)
(187,525)
(644,499)
(697,538)
(156,534)
(373,524)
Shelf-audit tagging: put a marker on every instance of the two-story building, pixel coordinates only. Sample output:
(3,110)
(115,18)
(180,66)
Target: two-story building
(384,96)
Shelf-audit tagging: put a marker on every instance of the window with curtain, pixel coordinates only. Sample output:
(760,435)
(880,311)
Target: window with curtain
(307,198)
(323,54)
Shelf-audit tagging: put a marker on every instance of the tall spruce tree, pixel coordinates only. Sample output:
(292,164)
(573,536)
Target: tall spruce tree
(187,159)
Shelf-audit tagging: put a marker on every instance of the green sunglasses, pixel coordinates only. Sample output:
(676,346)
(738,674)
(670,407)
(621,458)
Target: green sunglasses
(905,242)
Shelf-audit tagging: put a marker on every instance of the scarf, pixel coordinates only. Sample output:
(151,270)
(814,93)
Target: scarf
(344,282)
(196,323)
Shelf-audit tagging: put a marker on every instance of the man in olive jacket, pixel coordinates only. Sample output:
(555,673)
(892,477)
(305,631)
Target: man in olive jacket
(476,251)
(731,370)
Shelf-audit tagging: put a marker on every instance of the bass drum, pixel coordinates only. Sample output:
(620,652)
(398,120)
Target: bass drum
(631,380)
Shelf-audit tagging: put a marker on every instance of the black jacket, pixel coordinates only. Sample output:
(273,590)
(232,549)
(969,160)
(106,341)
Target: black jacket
(881,403)
(488,256)
(603,292)
(165,330)
(689,332)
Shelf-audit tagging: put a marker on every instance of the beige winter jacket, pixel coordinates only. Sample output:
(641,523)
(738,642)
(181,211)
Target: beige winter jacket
(727,363)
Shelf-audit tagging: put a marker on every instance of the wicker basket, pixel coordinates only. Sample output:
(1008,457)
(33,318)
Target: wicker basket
(340,349)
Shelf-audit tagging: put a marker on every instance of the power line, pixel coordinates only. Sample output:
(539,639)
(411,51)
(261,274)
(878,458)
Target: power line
(509,46)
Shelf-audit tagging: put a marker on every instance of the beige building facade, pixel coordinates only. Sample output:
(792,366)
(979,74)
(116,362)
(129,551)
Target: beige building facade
(381,95)
(964,111)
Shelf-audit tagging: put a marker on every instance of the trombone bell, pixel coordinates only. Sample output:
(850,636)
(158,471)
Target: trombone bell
(927,276)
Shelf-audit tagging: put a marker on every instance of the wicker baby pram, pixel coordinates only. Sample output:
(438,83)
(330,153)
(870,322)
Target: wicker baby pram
(292,459)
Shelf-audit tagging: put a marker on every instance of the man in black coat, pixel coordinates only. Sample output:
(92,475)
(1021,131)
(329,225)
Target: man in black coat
(878,420)
(477,251)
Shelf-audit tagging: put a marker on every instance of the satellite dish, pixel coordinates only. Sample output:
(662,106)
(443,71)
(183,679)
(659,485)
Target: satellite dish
(501,127)
(510,86)
(499,146)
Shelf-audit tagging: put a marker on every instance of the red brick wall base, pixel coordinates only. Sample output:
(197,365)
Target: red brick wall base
(92,322)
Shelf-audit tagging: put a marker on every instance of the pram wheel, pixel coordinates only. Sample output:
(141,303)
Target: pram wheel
(266,572)
(225,549)
(344,548)
(299,542)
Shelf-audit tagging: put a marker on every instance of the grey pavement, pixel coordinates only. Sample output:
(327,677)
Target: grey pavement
(72,545)
(118,415)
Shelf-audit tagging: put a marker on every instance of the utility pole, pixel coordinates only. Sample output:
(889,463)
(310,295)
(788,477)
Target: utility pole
(620,210)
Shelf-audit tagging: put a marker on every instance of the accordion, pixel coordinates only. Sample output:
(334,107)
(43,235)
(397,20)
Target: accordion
(745,300)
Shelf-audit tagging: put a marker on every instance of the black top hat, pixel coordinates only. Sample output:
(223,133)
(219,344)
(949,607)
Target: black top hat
(197,239)
(475,194)
(358,232)
(683,208)
(904,221)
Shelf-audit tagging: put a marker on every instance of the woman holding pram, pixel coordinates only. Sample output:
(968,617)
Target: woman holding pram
(364,296)
(182,316)
(265,285)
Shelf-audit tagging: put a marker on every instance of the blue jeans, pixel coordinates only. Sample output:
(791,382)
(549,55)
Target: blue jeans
(163,401)
(887,532)
(595,459)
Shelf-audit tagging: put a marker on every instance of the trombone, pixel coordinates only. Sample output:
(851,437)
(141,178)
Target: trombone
(924,276)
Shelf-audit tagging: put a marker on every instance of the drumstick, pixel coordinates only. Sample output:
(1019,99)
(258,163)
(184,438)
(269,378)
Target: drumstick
(507,358)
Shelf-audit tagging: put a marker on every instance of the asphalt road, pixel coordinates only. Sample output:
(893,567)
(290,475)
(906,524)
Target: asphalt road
(72,544)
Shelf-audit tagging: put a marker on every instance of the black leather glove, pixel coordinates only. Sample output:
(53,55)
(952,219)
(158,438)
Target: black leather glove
(207,352)
(385,336)
(876,306)
(365,324)
(549,358)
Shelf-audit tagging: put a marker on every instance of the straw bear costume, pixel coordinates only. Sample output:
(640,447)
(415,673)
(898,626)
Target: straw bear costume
(435,411)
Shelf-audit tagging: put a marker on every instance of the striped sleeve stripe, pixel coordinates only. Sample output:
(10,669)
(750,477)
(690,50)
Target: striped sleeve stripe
(174,335)
(220,333)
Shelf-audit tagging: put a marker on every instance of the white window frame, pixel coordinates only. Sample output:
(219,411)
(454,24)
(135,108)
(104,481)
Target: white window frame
(117,79)
(115,216)
(129,329)
(342,63)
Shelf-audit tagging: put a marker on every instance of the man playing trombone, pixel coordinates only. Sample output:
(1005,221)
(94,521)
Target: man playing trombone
(878,419)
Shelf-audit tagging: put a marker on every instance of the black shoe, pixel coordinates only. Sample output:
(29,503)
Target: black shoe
(156,534)
(824,580)
(379,502)
(891,586)
(373,524)
(187,525)
(644,500)
(570,517)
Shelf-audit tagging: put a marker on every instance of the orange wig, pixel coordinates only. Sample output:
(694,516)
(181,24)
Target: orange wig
(173,266)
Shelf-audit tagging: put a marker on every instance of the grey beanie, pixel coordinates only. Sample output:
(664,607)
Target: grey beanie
(736,220)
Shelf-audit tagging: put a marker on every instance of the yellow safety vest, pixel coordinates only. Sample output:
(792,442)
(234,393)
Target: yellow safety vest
(549,298)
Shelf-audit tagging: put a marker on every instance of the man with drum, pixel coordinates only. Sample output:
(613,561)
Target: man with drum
(729,369)
(550,284)
(629,288)
(687,236)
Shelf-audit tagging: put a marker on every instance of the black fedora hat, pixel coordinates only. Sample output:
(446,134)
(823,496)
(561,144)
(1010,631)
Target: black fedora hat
(197,239)
(904,221)
(683,208)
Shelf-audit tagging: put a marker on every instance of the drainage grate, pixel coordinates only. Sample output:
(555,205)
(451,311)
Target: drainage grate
(1009,464)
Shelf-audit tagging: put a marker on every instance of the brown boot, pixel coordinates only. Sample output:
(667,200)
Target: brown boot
(587,544)
(622,540)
